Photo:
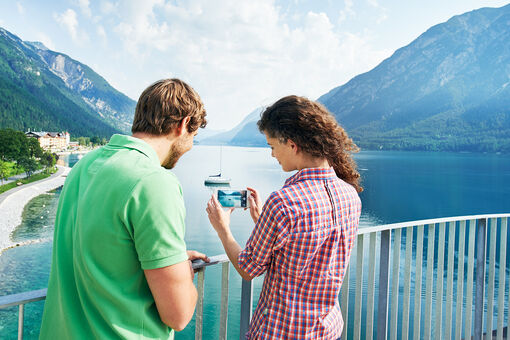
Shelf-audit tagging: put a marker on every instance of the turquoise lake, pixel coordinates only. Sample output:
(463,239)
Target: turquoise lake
(399,186)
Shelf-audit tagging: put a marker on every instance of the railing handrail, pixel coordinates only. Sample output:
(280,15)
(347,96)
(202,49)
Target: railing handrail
(401,225)
(217,259)
(40,294)
(383,313)
(22,298)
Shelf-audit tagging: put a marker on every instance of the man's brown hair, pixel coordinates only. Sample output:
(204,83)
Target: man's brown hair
(164,104)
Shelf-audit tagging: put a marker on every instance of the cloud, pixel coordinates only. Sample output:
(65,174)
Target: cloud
(21,9)
(347,11)
(46,40)
(383,12)
(102,34)
(108,7)
(69,21)
(240,54)
(84,7)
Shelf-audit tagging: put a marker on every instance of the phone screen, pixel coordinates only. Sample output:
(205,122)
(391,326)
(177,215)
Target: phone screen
(233,198)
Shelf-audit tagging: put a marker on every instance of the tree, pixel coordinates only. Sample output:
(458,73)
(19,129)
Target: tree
(48,160)
(34,148)
(5,170)
(13,145)
(95,140)
(29,164)
(85,141)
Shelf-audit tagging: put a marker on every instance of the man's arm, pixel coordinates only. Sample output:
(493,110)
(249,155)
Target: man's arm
(175,295)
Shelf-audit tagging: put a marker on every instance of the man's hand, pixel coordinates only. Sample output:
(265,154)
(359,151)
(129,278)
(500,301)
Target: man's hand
(255,204)
(195,255)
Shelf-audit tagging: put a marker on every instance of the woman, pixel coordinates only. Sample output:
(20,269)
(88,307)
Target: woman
(304,233)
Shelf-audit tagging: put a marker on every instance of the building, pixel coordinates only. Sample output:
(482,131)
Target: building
(51,141)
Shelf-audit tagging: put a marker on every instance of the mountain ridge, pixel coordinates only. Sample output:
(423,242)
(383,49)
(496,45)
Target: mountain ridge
(447,90)
(47,90)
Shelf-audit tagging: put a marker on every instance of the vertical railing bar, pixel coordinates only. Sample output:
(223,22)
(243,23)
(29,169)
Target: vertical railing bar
(397,240)
(492,271)
(418,282)
(384,277)
(224,300)
(460,280)
(407,283)
(199,310)
(469,283)
(481,234)
(246,307)
(449,281)
(359,284)
(344,308)
(21,315)
(502,278)
(429,282)
(371,287)
(438,329)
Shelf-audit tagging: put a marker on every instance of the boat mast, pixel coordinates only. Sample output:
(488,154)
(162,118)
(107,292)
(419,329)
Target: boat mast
(221,148)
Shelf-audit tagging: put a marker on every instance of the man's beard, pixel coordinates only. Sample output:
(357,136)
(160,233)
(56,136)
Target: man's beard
(176,151)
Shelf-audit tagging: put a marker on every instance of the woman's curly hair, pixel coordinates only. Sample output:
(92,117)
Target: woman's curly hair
(315,131)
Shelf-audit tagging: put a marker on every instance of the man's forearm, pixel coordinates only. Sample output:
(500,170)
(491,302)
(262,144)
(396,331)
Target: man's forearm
(233,249)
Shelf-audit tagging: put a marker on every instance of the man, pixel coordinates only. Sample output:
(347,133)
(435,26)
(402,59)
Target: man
(120,267)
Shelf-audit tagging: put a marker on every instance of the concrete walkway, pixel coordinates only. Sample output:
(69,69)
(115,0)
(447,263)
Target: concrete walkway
(12,203)
(18,177)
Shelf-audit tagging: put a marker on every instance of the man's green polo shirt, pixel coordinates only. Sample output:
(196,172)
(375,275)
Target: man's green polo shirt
(119,213)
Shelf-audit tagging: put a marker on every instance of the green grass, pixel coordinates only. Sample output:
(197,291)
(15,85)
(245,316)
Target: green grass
(33,178)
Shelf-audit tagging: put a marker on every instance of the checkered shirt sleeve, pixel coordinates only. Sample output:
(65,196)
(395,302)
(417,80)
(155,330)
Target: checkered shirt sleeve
(269,235)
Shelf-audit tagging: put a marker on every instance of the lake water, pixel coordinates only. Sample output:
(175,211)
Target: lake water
(399,186)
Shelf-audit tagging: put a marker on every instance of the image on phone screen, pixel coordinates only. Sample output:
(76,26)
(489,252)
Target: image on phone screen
(232,198)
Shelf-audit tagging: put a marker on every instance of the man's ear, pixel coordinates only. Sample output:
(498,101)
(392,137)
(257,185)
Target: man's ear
(183,126)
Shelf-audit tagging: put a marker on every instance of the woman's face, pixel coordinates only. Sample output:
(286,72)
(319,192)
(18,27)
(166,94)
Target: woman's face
(283,152)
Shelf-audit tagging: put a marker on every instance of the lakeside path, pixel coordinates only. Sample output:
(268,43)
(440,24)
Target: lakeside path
(12,203)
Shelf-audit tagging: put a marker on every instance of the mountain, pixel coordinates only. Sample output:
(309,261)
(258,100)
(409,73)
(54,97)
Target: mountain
(45,90)
(245,133)
(448,90)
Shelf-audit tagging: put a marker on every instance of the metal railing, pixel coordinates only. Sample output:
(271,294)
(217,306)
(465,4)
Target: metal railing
(397,304)
(407,309)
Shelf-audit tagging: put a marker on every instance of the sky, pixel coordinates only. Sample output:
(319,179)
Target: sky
(237,54)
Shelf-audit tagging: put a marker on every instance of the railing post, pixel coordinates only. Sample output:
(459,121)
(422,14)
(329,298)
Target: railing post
(384,278)
(20,321)
(481,233)
(246,307)
(224,301)
(199,310)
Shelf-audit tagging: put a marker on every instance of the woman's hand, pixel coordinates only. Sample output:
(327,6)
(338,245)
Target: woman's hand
(255,204)
(219,218)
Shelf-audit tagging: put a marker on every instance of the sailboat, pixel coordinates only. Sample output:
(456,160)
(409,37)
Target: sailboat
(217,179)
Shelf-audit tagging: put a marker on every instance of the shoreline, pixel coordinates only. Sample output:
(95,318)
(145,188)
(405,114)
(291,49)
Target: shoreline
(12,204)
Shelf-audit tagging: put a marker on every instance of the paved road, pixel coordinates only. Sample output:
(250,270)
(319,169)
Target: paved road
(18,177)
(13,190)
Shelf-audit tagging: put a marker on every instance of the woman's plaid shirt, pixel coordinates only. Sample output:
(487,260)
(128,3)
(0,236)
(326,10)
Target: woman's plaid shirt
(302,241)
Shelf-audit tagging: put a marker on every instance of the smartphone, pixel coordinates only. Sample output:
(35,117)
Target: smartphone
(232,198)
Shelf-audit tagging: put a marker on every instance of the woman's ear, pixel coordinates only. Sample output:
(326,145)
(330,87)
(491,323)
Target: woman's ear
(294,147)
